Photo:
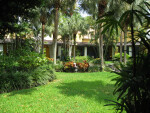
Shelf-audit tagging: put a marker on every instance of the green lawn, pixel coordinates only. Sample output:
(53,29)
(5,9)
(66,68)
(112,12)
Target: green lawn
(69,93)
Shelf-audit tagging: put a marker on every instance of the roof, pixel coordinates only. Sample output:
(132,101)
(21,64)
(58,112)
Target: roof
(5,41)
(50,42)
(85,44)
(128,44)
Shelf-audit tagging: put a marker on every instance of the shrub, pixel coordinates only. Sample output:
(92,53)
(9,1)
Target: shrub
(69,67)
(26,70)
(94,68)
(50,60)
(107,69)
(82,58)
(96,61)
(14,81)
(117,56)
(43,75)
(83,66)
(133,90)
(58,68)
(20,79)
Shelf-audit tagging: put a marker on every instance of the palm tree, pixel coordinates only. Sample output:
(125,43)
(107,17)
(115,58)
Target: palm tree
(77,23)
(64,6)
(65,32)
(43,20)
(132,95)
(121,37)
(96,9)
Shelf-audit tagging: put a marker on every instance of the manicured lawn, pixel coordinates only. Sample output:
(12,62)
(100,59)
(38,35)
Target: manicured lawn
(108,62)
(70,93)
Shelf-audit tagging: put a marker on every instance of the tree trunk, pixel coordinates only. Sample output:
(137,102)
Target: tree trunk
(70,48)
(56,21)
(125,45)
(17,42)
(133,45)
(64,46)
(74,49)
(43,29)
(101,49)
(121,46)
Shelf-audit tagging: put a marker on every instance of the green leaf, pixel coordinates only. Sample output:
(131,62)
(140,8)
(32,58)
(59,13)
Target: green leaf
(111,31)
(138,17)
(148,5)
(106,28)
(124,16)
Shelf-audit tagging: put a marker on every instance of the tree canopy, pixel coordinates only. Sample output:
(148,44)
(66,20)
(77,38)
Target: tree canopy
(11,10)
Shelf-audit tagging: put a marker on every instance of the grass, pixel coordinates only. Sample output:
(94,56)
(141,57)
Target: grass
(108,62)
(70,93)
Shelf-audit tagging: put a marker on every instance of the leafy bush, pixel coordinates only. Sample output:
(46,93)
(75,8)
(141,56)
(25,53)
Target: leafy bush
(117,56)
(43,75)
(133,90)
(50,60)
(24,62)
(58,68)
(107,69)
(24,70)
(82,58)
(20,79)
(94,68)
(69,67)
(83,66)
(96,61)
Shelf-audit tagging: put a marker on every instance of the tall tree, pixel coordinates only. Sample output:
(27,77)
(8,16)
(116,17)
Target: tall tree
(65,6)
(65,32)
(11,10)
(43,20)
(97,9)
(77,23)
(121,37)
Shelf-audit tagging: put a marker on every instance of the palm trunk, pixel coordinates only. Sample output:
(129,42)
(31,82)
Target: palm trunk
(101,8)
(43,29)
(133,46)
(56,20)
(121,46)
(74,49)
(64,49)
(17,42)
(101,49)
(125,45)
(70,48)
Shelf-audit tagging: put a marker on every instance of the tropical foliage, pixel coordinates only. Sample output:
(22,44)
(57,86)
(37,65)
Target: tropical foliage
(24,68)
(132,82)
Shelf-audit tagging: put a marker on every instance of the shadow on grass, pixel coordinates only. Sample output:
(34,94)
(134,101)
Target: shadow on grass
(88,89)
(23,91)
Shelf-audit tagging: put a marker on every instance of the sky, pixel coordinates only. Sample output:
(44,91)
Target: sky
(84,14)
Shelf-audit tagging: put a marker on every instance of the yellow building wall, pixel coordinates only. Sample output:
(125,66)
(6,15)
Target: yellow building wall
(85,40)
(46,48)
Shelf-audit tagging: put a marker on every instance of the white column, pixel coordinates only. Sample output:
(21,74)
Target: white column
(59,51)
(130,51)
(1,47)
(85,51)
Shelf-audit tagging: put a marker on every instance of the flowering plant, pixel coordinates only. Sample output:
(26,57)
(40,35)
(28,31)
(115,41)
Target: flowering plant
(50,59)
(83,66)
(69,66)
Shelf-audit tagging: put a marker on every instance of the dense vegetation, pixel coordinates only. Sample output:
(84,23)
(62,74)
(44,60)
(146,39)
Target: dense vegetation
(23,68)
